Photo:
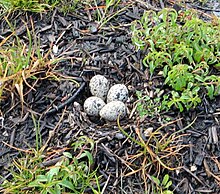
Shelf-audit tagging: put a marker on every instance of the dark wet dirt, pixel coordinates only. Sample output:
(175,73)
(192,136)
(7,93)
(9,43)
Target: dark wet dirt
(57,101)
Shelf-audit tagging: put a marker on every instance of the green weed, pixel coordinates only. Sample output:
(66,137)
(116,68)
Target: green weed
(38,6)
(71,173)
(186,49)
(102,12)
(110,9)
(162,187)
(21,61)
(28,5)
(147,105)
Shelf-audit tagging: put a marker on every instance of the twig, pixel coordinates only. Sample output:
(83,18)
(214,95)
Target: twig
(70,100)
(106,183)
(50,162)
(19,149)
(197,178)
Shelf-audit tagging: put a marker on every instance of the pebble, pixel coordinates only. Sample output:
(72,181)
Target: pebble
(93,105)
(112,110)
(99,86)
(118,92)
(119,136)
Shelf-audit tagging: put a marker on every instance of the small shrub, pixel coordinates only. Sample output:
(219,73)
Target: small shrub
(186,49)
(70,174)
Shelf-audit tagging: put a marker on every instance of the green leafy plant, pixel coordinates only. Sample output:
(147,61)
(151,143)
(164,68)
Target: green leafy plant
(38,6)
(103,14)
(20,62)
(147,105)
(107,11)
(28,5)
(179,76)
(186,50)
(162,187)
(72,172)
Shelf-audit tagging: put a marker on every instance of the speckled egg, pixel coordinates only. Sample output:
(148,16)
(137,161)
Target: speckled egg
(93,105)
(112,110)
(99,86)
(118,92)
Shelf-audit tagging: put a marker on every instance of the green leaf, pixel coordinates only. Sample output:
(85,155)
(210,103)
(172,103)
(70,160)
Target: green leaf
(199,78)
(139,94)
(165,70)
(217,66)
(57,189)
(167,192)
(67,184)
(35,184)
(168,184)
(52,172)
(156,180)
(42,178)
(68,155)
(211,90)
(88,155)
(217,89)
(165,179)
(198,56)
(180,106)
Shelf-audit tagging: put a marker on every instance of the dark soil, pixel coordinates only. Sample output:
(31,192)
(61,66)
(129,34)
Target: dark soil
(88,50)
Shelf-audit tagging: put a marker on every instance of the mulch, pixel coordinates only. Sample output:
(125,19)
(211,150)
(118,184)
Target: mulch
(87,49)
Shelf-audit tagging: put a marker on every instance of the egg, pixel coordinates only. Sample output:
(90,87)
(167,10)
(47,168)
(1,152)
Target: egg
(118,92)
(93,105)
(99,86)
(112,110)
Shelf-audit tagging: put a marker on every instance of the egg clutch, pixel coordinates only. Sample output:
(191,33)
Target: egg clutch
(106,102)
